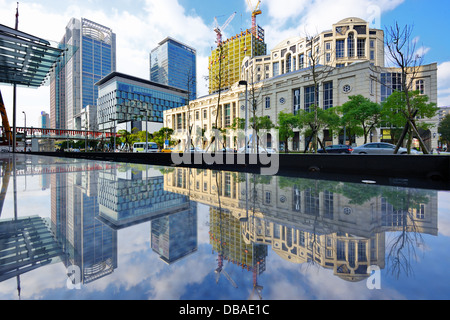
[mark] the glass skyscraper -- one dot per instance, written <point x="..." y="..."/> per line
<point x="73" y="82"/>
<point x="174" y="64"/>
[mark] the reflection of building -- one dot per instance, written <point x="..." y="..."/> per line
<point x="175" y="235"/>
<point x="132" y="195"/>
<point x="87" y="242"/>
<point x="337" y="225"/>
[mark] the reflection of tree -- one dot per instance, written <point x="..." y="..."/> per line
<point x="406" y="205"/>
<point x="401" y="212"/>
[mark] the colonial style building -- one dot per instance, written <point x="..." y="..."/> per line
<point x="289" y="87"/>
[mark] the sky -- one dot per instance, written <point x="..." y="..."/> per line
<point x="141" y="24"/>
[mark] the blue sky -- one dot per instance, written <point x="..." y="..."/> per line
<point x="141" y="24"/>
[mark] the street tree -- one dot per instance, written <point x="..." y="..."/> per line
<point x="403" y="109"/>
<point x="360" y="112"/>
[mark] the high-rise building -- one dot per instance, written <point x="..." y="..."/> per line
<point x="174" y="64"/>
<point x="45" y="120"/>
<point x="91" y="57"/>
<point x="226" y="60"/>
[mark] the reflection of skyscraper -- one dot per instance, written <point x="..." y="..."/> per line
<point x="72" y="84"/>
<point x="174" y="236"/>
<point x="87" y="242"/>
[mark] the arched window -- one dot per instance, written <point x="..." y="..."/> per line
<point x="350" y="45"/>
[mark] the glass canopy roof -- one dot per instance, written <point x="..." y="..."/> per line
<point x="25" y="59"/>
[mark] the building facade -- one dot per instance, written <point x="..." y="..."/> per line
<point x="289" y="92"/>
<point x="73" y="82"/>
<point x="124" y="98"/>
<point x="226" y="60"/>
<point x="174" y="64"/>
<point x="349" y="41"/>
<point x="45" y="120"/>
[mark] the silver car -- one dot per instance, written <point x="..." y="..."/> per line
<point x="379" y="148"/>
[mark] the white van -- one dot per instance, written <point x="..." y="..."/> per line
<point x="151" y="147"/>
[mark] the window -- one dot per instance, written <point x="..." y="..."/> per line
<point x="328" y="57"/>
<point x="339" y="49"/>
<point x="361" y="48"/>
<point x="205" y="114"/>
<point x="267" y="102"/>
<point x="372" y="44"/>
<point x="309" y="97"/>
<point x="276" y="69"/>
<point x="296" y="106"/>
<point x="327" y="95"/>
<point x="197" y="115"/>
<point x="328" y="46"/>
<point x="301" y="61"/>
<point x="227" y="115"/>
<point x="350" y="45"/>
<point x="420" y="86"/>
<point x="267" y="200"/>
<point x="390" y="82"/>
<point x="372" y="55"/>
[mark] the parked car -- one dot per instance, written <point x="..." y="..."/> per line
<point x="338" y="148"/>
<point x="380" y="148"/>
<point x="167" y="150"/>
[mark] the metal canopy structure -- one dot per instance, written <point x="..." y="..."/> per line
<point x="25" y="59"/>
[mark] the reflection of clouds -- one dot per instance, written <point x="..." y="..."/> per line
<point x="290" y="281"/>
<point x="444" y="213"/>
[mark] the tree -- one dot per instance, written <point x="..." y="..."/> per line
<point x="444" y="129"/>
<point x="159" y="137"/>
<point x="361" y="112"/>
<point x="317" y="120"/>
<point x="287" y="122"/>
<point x="399" y="109"/>
<point x="126" y="138"/>
<point x="402" y="52"/>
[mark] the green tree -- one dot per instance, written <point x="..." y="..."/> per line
<point x="444" y="129"/>
<point x="287" y="122"/>
<point x="360" y="112"/>
<point x="159" y="137"/>
<point x="402" y="110"/>
<point x="316" y="120"/>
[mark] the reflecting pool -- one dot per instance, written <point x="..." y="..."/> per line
<point x="76" y="229"/>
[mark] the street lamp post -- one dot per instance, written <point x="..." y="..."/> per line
<point x="243" y="82"/>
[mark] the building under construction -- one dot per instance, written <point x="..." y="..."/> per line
<point x="225" y="60"/>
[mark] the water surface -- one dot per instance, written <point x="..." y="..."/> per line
<point x="76" y="229"/>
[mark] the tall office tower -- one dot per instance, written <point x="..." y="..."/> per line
<point x="174" y="64"/>
<point x="225" y="60"/>
<point x="91" y="56"/>
<point x="45" y="120"/>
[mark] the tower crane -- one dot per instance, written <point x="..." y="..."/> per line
<point x="255" y="12"/>
<point x="219" y="30"/>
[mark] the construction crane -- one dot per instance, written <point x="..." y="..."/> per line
<point x="220" y="270"/>
<point x="219" y="30"/>
<point x="7" y="135"/>
<point x="255" y="12"/>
